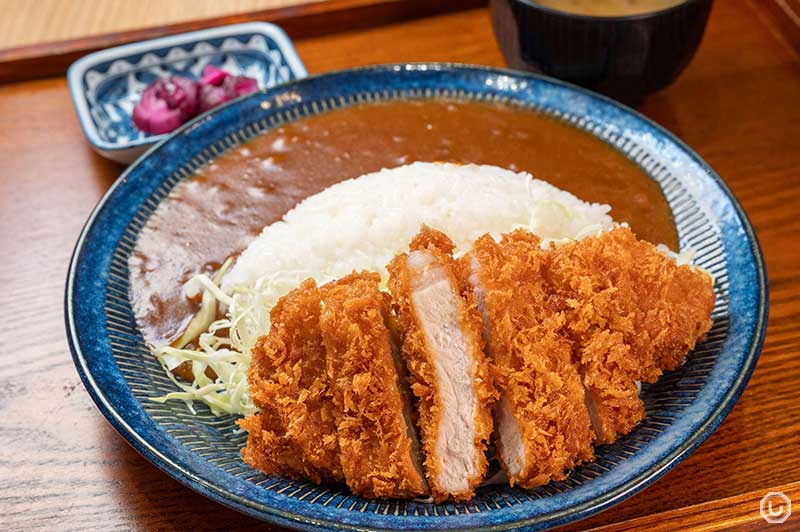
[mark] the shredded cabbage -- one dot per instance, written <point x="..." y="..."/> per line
<point x="227" y="355"/>
<point x="357" y="224"/>
<point x="227" y="392"/>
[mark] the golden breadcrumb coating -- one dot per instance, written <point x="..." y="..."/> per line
<point x="376" y="435"/>
<point x="289" y="384"/>
<point x="631" y="313"/>
<point x="569" y="332"/>
<point x="269" y="450"/>
<point x="605" y="363"/>
<point x="419" y="359"/>
<point x="615" y="281"/>
<point x="533" y="364"/>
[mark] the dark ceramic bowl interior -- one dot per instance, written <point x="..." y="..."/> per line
<point x="624" y="57"/>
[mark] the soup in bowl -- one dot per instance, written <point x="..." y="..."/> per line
<point x="625" y="49"/>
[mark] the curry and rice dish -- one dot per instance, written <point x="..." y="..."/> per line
<point x="227" y="203"/>
<point x="398" y="329"/>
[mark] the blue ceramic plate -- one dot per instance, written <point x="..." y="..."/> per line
<point x="202" y="451"/>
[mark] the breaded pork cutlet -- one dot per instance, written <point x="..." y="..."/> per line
<point x="543" y="428"/>
<point x="443" y="348"/>
<point x="270" y="450"/>
<point x="377" y="441"/>
<point x="631" y="312"/>
<point x="295" y="433"/>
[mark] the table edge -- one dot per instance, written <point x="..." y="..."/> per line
<point x="313" y="19"/>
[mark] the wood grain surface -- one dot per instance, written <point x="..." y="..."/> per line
<point x="299" y="21"/>
<point x="35" y="23"/>
<point x="786" y="16"/>
<point x="62" y="467"/>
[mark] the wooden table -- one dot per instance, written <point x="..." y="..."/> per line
<point x="79" y="18"/>
<point x="62" y="467"/>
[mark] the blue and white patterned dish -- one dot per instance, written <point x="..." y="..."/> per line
<point x="201" y="451"/>
<point x="107" y="84"/>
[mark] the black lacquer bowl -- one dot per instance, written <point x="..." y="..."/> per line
<point x="625" y="58"/>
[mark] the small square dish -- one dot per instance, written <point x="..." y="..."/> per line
<point x="106" y="85"/>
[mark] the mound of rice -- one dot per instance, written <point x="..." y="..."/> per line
<point x="361" y="224"/>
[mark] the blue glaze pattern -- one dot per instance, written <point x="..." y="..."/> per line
<point x="201" y="451"/>
<point x="106" y="85"/>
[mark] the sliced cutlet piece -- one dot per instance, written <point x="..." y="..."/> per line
<point x="443" y="348"/>
<point x="543" y="428"/>
<point x="377" y="439"/>
<point x="295" y="433"/>
<point x="606" y="365"/>
<point x="632" y="312"/>
<point x="269" y="450"/>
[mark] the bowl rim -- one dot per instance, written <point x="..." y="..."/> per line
<point x="78" y="69"/>
<point x="561" y="516"/>
<point x="606" y="18"/>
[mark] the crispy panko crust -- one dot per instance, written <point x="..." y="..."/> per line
<point x="615" y="281"/>
<point x="269" y="450"/>
<point x="531" y="360"/>
<point x="376" y="435"/>
<point x="631" y="313"/>
<point x="605" y="364"/>
<point x="295" y="433"/>
<point x="418" y="358"/>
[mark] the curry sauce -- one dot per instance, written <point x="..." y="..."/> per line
<point x="217" y="212"/>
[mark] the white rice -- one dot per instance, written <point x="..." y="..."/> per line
<point x="360" y="224"/>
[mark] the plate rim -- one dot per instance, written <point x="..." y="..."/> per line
<point x="554" y="518"/>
